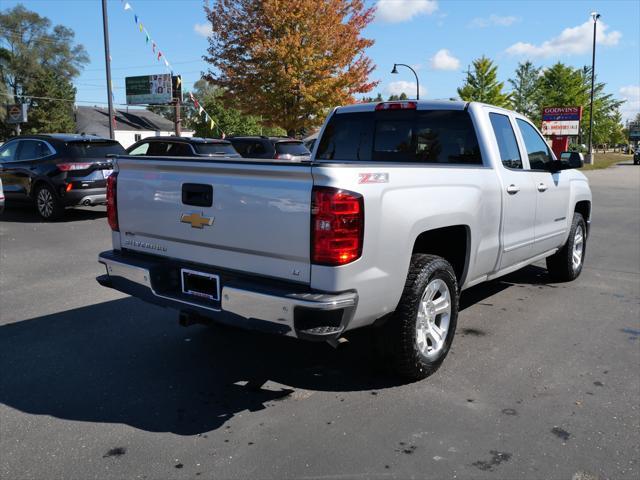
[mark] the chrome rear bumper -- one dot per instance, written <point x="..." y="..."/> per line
<point x="309" y="315"/>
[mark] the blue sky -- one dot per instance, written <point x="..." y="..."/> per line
<point x="440" y="38"/>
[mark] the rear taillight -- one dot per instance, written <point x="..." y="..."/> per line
<point x="66" y="167"/>
<point x="397" y="106"/>
<point x="112" y="201"/>
<point x="337" y="226"/>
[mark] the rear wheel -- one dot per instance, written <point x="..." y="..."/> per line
<point x="47" y="203"/>
<point x="420" y="332"/>
<point x="566" y="264"/>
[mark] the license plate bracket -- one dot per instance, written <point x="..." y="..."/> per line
<point x="200" y="284"/>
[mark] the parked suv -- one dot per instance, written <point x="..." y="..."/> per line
<point x="283" y="148"/>
<point x="57" y="170"/>
<point x="183" y="147"/>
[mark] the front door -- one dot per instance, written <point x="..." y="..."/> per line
<point x="552" y="191"/>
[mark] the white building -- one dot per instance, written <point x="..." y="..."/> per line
<point x="131" y="125"/>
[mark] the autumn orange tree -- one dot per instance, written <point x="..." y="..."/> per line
<point x="289" y="61"/>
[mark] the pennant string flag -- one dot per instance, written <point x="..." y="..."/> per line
<point x="160" y="55"/>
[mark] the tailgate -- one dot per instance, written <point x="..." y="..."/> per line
<point x="257" y="219"/>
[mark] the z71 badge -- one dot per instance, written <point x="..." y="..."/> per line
<point x="373" y="178"/>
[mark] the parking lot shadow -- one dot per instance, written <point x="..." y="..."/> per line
<point x="124" y="361"/>
<point x="25" y="213"/>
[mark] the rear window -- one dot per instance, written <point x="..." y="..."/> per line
<point x="215" y="149"/>
<point x="292" y="148"/>
<point x="94" y="149"/>
<point x="428" y="136"/>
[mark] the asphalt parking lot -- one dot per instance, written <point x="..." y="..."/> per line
<point x="542" y="382"/>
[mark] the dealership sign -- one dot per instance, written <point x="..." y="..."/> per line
<point x="149" y="90"/>
<point x="561" y="120"/>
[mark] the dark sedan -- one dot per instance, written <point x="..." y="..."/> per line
<point x="55" y="171"/>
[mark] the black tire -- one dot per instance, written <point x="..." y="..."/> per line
<point x="400" y="334"/>
<point x="48" y="204"/>
<point x="561" y="265"/>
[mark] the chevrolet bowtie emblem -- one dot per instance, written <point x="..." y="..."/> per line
<point x="196" y="220"/>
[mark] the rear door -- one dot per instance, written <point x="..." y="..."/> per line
<point x="518" y="195"/>
<point x="552" y="191"/>
<point x="243" y="216"/>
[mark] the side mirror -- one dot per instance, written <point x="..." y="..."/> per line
<point x="571" y="160"/>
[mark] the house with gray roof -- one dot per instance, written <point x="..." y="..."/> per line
<point x="130" y="125"/>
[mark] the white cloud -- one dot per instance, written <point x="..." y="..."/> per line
<point x="203" y="29"/>
<point x="631" y="107"/>
<point x="571" y="41"/>
<point x="443" y="60"/>
<point x="395" y="11"/>
<point x="401" y="86"/>
<point x="494" y="21"/>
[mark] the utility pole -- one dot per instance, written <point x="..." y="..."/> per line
<point x="178" y="120"/>
<point x="595" y="16"/>
<point x="107" y="61"/>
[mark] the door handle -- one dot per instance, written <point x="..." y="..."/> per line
<point x="513" y="189"/>
<point x="542" y="187"/>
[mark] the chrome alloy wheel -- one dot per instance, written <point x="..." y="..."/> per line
<point x="578" y="248"/>
<point x="45" y="202"/>
<point x="432" y="322"/>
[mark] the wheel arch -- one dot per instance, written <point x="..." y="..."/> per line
<point x="451" y="243"/>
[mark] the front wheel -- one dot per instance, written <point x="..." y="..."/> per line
<point x="420" y="332"/>
<point x="566" y="264"/>
<point x="48" y="204"/>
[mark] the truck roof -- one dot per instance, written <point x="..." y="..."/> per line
<point x="421" y="105"/>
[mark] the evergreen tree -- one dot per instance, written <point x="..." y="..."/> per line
<point x="45" y="114"/>
<point x="482" y="85"/>
<point x="525" y="86"/>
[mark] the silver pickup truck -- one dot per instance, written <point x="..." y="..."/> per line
<point x="401" y="207"/>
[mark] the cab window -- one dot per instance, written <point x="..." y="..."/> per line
<point x="408" y="136"/>
<point x="506" y="138"/>
<point x="537" y="149"/>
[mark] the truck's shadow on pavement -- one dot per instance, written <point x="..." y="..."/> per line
<point x="124" y="361"/>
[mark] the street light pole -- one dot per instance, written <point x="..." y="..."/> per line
<point x="595" y="16"/>
<point x="395" y="71"/>
<point x="107" y="61"/>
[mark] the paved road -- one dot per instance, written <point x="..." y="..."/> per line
<point x="542" y="382"/>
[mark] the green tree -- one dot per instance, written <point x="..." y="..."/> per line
<point x="45" y="115"/>
<point x="377" y="98"/>
<point x="30" y="48"/>
<point x="525" y="86"/>
<point x="482" y="85"/>
<point x="402" y="96"/>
